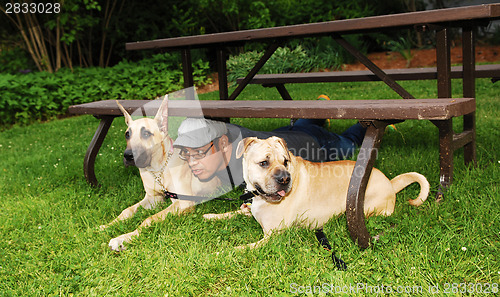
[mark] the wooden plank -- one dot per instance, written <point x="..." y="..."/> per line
<point x="109" y="107"/>
<point x="461" y="139"/>
<point x="375" y="23"/>
<point x="393" y="109"/>
<point x="482" y="71"/>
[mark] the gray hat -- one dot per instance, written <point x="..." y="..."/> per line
<point x="197" y="132"/>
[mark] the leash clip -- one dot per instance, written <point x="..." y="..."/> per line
<point x="247" y="197"/>
<point x="323" y="241"/>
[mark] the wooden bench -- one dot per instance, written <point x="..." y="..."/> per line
<point x="375" y="114"/>
<point x="363" y="110"/>
<point x="481" y="71"/>
<point x="279" y="80"/>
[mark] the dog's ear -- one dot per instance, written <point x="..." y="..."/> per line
<point x="282" y="143"/>
<point x="161" y="116"/>
<point x="243" y="146"/>
<point x="128" y="118"/>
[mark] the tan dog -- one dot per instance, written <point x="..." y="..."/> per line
<point x="151" y="149"/>
<point x="295" y="191"/>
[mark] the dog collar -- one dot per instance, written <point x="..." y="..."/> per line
<point x="247" y="197"/>
<point x="197" y="199"/>
<point x="159" y="178"/>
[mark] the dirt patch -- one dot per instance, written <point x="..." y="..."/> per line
<point x="214" y="86"/>
<point x="390" y="60"/>
<point x="425" y="58"/>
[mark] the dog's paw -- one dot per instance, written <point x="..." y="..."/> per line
<point x="103" y="227"/>
<point x="116" y="244"/>
<point x="212" y="216"/>
<point x="227" y="215"/>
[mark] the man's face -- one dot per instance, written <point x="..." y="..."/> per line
<point x="204" y="161"/>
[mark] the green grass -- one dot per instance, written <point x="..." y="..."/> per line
<point x="49" y="243"/>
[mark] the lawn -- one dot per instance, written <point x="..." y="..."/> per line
<point x="50" y="243"/>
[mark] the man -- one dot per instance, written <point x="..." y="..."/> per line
<point x="209" y="146"/>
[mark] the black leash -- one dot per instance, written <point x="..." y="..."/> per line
<point x="247" y="199"/>
<point x="197" y="199"/>
<point x="320" y="235"/>
<point x="323" y="241"/>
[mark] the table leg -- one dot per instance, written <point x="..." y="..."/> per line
<point x="93" y="149"/>
<point x="445" y="155"/>
<point x="469" y="62"/>
<point x="443" y="63"/>
<point x="470" y="148"/>
<point x="222" y="77"/>
<point x="469" y="89"/>
<point x="222" y="73"/>
<point x="187" y="68"/>
<point x="359" y="180"/>
<point x="281" y="90"/>
<point x="286" y="96"/>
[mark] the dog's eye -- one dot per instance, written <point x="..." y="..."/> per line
<point x="127" y="135"/>
<point x="285" y="163"/>
<point x="146" y="134"/>
<point x="264" y="163"/>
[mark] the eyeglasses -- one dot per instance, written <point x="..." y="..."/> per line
<point x="184" y="154"/>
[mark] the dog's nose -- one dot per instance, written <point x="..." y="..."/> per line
<point x="128" y="155"/>
<point x="282" y="177"/>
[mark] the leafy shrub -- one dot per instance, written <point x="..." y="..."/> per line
<point x="14" y="61"/>
<point x="326" y="54"/>
<point x="403" y="47"/>
<point x="282" y="61"/>
<point x="37" y="96"/>
<point x="495" y="36"/>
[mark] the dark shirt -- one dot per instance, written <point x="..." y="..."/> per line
<point x="299" y="143"/>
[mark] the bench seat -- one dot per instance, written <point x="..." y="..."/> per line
<point x="392" y="109"/>
<point x="481" y="71"/>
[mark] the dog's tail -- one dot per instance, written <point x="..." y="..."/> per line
<point x="403" y="180"/>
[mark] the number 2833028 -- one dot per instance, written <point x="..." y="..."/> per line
<point x="19" y="8"/>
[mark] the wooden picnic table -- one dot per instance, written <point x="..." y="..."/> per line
<point x="467" y="18"/>
<point x="441" y="21"/>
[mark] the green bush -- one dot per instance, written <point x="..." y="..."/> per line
<point x="495" y="36"/>
<point x="325" y="54"/>
<point x="282" y="61"/>
<point x="93" y="29"/>
<point x="329" y="54"/>
<point x="15" y="60"/>
<point x="37" y="96"/>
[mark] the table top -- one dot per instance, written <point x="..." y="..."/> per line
<point x="450" y="16"/>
